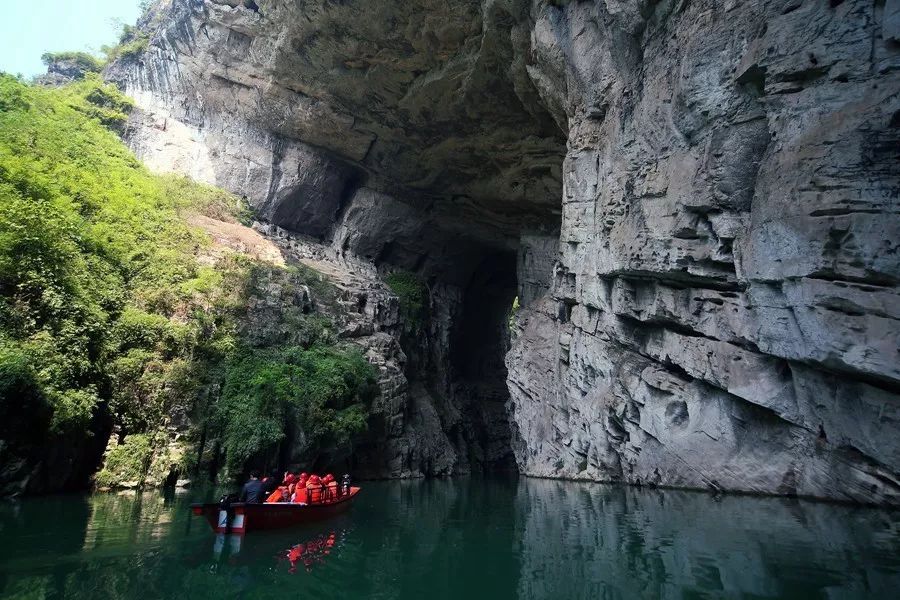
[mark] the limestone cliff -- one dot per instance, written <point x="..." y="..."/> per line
<point x="696" y="204"/>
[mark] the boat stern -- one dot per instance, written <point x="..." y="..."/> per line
<point x="222" y="520"/>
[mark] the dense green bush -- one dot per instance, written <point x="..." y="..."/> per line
<point x="412" y="295"/>
<point x="110" y="303"/>
<point x="25" y="410"/>
<point x="322" y="391"/>
<point x="86" y="61"/>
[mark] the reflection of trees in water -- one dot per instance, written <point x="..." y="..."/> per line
<point x="56" y="524"/>
<point x="128" y="517"/>
<point x="590" y="540"/>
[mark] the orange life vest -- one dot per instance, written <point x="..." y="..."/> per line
<point x="314" y="492"/>
<point x="332" y="490"/>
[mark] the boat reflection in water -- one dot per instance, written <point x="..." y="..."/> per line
<point x="312" y="551"/>
<point x="231" y="540"/>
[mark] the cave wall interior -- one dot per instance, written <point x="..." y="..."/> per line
<point x="696" y="203"/>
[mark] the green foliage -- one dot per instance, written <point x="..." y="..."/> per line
<point x="132" y="49"/>
<point x="91" y="244"/>
<point x="133" y="41"/>
<point x="25" y="411"/>
<point x="412" y="295"/>
<point x="324" y="391"/>
<point x="110" y="301"/>
<point x="513" y="312"/>
<point x="129" y="461"/>
<point x="86" y="61"/>
<point x="81" y="226"/>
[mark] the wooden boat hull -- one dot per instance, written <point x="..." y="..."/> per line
<point x="242" y="518"/>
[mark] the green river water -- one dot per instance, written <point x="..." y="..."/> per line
<point x="460" y="538"/>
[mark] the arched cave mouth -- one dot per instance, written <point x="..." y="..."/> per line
<point x="479" y="228"/>
<point x="474" y="257"/>
<point x="478" y="347"/>
<point x="474" y="276"/>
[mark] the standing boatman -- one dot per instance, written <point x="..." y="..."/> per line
<point x="254" y="491"/>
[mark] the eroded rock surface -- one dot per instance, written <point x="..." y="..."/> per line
<point x="725" y="311"/>
<point x="716" y="304"/>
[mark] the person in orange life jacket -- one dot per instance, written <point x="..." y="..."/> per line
<point x="314" y="489"/>
<point x="300" y="489"/>
<point x="332" y="486"/>
<point x="270" y="483"/>
<point x="280" y="495"/>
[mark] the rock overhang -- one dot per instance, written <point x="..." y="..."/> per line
<point x="428" y="98"/>
<point x="699" y="195"/>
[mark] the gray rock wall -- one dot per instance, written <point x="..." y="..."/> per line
<point x="702" y="198"/>
<point x="724" y="313"/>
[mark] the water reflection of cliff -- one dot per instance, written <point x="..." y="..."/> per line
<point x="459" y="538"/>
<point x="595" y="541"/>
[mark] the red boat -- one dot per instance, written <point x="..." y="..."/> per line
<point x="240" y="517"/>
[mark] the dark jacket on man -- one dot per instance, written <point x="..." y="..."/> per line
<point x="253" y="492"/>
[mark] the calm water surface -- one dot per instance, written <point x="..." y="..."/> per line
<point x="464" y="538"/>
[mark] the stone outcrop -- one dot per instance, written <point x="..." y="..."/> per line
<point x="696" y="204"/>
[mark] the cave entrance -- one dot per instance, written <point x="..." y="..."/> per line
<point x="478" y="349"/>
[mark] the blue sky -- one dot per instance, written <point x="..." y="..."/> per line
<point x="28" y="28"/>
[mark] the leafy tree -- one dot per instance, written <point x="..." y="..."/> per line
<point x="113" y="307"/>
<point x="323" y="391"/>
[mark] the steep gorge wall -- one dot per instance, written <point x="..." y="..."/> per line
<point x="725" y="308"/>
<point x="715" y="305"/>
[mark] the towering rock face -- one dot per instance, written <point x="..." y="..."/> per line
<point x="725" y="309"/>
<point x="696" y="204"/>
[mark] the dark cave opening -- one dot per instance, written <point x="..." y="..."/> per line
<point x="482" y="335"/>
<point x="478" y="349"/>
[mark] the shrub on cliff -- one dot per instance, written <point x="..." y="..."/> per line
<point x="82" y="60"/>
<point x="128" y="316"/>
<point x="321" y="393"/>
<point x="126" y="462"/>
<point x="412" y="295"/>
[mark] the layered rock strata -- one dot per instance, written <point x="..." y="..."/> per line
<point x="725" y="308"/>
<point x="699" y="201"/>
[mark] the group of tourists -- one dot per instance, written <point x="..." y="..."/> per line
<point x="305" y="488"/>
